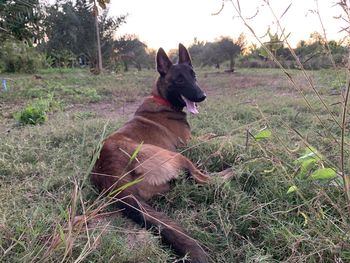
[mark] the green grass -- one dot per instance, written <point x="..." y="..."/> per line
<point x="248" y="219"/>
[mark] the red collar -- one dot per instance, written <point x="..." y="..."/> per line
<point x="161" y="101"/>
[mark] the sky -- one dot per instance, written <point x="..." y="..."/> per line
<point x="165" y="23"/>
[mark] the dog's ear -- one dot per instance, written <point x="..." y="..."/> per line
<point x="163" y="62"/>
<point x="184" y="56"/>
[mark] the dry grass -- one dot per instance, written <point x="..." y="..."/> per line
<point x="250" y="219"/>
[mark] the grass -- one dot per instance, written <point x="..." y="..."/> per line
<point x="248" y="219"/>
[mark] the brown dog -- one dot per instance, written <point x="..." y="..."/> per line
<point x="158" y="127"/>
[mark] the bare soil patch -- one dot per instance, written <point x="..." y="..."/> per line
<point x="108" y="110"/>
<point x="231" y="84"/>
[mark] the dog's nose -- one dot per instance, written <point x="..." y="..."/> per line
<point x="202" y="97"/>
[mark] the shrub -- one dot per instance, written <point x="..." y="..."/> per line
<point x="16" y="56"/>
<point x="32" y="114"/>
<point x="36" y="112"/>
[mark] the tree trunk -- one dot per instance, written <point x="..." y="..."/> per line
<point x="232" y="64"/>
<point x="99" y="54"/>
<point x="126" y="68"/>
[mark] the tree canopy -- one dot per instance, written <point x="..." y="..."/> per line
<point x="74" y="23"/>
<point x="21" y="20"/>
<point x="217" y="52"/>
<point x="65" y="33"/>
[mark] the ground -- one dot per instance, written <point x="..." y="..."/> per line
<point x="265" y="127"/>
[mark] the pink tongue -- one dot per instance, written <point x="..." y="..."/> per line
<point x="191" y="106"/>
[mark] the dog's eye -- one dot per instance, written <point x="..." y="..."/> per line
<point x="180" y="81"/>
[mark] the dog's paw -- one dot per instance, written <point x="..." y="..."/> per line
<point x="226" y="174"/>
<point x="200" y="177"/>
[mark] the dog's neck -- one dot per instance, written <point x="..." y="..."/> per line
<point x="159" y="98"/>
<point x="164" y="102"/>
<point x="161" y="101"/>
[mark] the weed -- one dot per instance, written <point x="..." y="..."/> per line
<point x="36" y="112"/>
<point x="32" y="114"/>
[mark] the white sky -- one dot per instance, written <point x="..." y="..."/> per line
<point x="165" y="23"/>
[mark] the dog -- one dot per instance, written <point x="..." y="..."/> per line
<point x="139" y="160"/>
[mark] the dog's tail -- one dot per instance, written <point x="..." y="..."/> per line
<point x="171" y="232"/>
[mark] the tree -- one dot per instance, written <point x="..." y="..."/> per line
<point x="318" y="53"/>
<point x="130" y="50"/>
<point x="230" y="50"/>
<point x="196" y="50"/>
<point x="73" y="22"/>
<point x="102" y="4"/>
<point x="215" y="53"/>
<point x="212" y="55"/>
<point x="21" y="20"/>
<point x="20" y="27"/>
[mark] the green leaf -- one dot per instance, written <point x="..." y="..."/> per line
<point x="263" y="52"/>
<point x="64" y="213"/>
<point x="264" y="134"/>
<point x="125" y="186"/>
<point x="306" y="157"/>
<point x="133" y="156"/>
<point x="61" y="232"/>
<point x="309" y="153"/>
<point x="305" y="167"/>
<point x="324" y="174"/>
<point x="306" y="218"/>
<point x="292" y="189"/>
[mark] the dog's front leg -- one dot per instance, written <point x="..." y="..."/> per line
<point x="225" y="174"/>
<point x="202" y="178"/>
<point x="198" y="176"/>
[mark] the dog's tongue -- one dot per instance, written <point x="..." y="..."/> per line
<point x="191" y="106"/>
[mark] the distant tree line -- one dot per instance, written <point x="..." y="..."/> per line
<point x="314" y="53"/>
<point x="63" y="34"/>
<point x="224" y="49"/>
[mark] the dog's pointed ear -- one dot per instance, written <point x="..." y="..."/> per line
<point x="184" y="56"/>
<point x="163" y="62"/>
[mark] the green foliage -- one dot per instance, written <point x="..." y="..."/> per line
<point x="292" y="189"/>
<point x="314" y="53"/>
<point x="338" y="84"/>
<point x="17" y="56"/>
<point x="21" y="20"/>
<point x="130" y="50"/>
<point x="32" y="114"/>
<point x="36" y="112"/>
<point x="264" y="134"/>
<point x="273" y="45"/>
<point x="74" y="22"/>
<point x="215" y="53"/>
<point x="308" y="161"/>
<point x="323" y="174"/>
<point x="311" y="167"/>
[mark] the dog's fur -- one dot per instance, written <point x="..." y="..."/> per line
<point x="158" y="127"/>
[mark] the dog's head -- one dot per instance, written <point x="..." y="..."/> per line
<point x="177" y="82"/>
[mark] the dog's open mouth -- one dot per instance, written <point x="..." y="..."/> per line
<point x="190" y="105"/>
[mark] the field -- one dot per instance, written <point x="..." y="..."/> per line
<point x="276" y="136"/>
